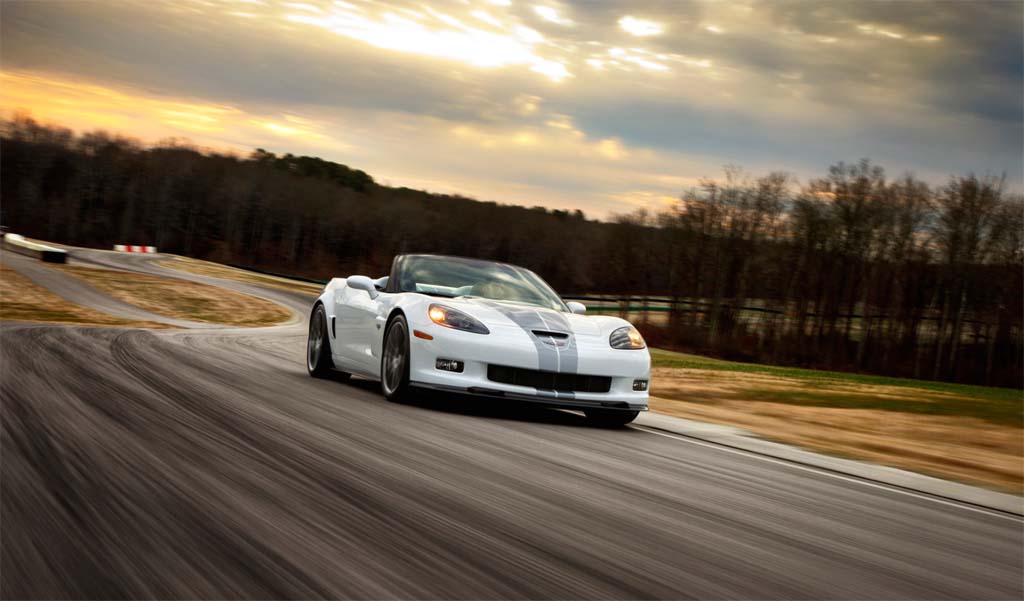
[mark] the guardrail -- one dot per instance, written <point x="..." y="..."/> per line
<point x="18" y="244"/>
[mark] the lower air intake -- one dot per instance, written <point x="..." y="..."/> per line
<point x="548" y="380"/>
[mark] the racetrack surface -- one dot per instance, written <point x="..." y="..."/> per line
<point x="205" y="463"/>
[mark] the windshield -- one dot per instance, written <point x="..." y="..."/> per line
<point x="454" y="277"/>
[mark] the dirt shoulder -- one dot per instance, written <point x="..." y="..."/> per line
<point x="23" y="300"/>
<point x="182" y="299"/>
<point x="971" y="434"/>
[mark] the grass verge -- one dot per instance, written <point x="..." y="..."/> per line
<point x="182" y="299"/>
<point x="22" y="300"/>
<point x="240" y="275"/>
<point x="662" y="358"/>
<point x="967" y="433"/>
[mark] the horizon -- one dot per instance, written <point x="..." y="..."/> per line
<point x="600" y="108"/>
<point x="792" y="185"/>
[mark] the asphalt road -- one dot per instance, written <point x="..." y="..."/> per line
<point x="205" y="463"/>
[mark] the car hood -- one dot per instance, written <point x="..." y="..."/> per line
<point x="496" y="313"/>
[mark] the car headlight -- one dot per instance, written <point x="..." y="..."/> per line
<point x="455" y="319"/>
<point x="627" y="337"/>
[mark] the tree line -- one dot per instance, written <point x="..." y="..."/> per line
<point x="850" y="271"/>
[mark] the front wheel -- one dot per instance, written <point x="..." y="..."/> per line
<point x="610" y="418"/>
<point x="318" y="345"/>
<point x="394" y="361"/>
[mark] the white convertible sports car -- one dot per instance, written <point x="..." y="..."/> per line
<point x="480" y="328"/>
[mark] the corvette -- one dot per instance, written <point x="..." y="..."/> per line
<point x="481" y="328"/>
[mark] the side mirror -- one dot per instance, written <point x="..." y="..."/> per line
<point x="577" y="308"/>
<point x="381" y="283"/>
<point x="361" y="282"/>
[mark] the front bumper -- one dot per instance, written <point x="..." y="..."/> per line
<point x="513" y="348"/>
<point x="538" y="398"/>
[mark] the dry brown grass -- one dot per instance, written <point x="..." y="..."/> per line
<point x="960" y="447"/>
<point x="182" y="299"/>
<point x="240" y="275"/>
<point x="22" y="300"/>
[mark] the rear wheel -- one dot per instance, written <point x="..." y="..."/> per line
<point x="394" y="361"/>
<point x="610" y="418"/>
<point x="318" y="345"/>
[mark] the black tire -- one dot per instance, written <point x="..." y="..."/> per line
<point x="394" y="361"/>
<point x="610" y="418"/>
<point x="318" y="345"/>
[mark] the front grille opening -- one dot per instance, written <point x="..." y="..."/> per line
<point x="548" y="380"/>
<point x="547" y="334"/>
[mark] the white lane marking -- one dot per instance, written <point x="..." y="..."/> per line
<point x="825" y="472"/>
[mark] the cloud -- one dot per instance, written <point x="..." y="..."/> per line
<point x="640" y="27"/>
<point x="443" y="36"/>
<point x="551" y="15"/>
<point x="640" y="86"/>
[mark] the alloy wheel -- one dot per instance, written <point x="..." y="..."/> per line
<point x="316" y="340"/>
<point x="394" y="358"/>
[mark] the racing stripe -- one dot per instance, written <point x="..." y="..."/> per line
<point x="549" y="357"/>
<point x="568" y="357"/>
<point x="528" y="320"/>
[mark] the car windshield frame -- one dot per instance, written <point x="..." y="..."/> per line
<point x="455" y="277"/>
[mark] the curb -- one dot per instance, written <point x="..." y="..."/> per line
<point x="743" y="440"/>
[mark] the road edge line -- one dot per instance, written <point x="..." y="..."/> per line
<point x="895" y="479"/>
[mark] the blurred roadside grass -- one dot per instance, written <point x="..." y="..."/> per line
<point x="968" y="433"/>
<point x="1000" y="405"/>
<point x="182" y="299"/>
<point x="22" y="300"/>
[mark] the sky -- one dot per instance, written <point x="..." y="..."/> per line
<point x="593" y="105"/>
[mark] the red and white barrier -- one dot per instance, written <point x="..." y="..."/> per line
<point x="131" y="248"/>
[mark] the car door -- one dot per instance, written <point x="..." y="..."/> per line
<point x="356" y="314"/>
